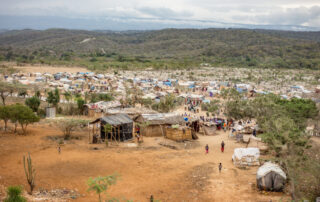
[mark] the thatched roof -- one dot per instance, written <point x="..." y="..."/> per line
<point x="159" y="119"/>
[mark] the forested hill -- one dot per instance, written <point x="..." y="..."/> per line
<point x="169" y="48"/>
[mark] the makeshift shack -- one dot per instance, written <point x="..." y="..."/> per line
<point x="246" y="157"/>
<point x="270" y="177"/>
<point x="209" y="129"/>
<point x="121" y="128"/>
<point x="255" y="142"/>
<point x="154" y="125"/>
<point x="178" y="133"/>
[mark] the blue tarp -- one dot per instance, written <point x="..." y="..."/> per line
<point x="168" y="83"/>
<point x="240" y="90"/>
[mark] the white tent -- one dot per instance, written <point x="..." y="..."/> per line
<point x="246" y="156"/>
<point x="271" y="177"/>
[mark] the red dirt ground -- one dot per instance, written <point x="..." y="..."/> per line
<point x="167" y="174"/>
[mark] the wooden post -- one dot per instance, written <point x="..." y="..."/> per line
<point x="118" y="128"/>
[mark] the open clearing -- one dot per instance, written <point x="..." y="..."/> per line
<point x="48" y="69"/>
<point x="151" y="169"/>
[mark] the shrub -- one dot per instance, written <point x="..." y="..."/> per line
<point x="33" y="103"/>
<point x="67" y="126"/>
<point x="14" y="194"/>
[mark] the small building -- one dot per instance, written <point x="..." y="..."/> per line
<point x="50" y="112"/>
<point x="154" y="125"/>
<point x="121" y="128"/>
<point x="270" y="177"/>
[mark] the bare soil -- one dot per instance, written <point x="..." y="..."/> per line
<point x="149" y="169"/>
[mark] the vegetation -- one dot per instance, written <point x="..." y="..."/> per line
<point x="67" y="126"/>
<point x="283" y="123"/>
<point x="163" y="49"/>
<point x="7" y="89"/>
<point x="81" y="102"/>
<point x="166" y="104"/>
<point x="23" y="115"/>
<point x="18" y="114"/>
<point x="211" y="107"/>
<point x="101" y="184"/>
<point x="30" y="172"/>
<point x="54" y="97"/>
<point x="5" y="115"/>
<point x="96" y="97"/>
<point x="14" y="194"/>
<point x="33" y="103"/>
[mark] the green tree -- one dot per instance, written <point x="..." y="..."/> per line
<point x="23" y="115"/>
<point x="81" y="102"/>
<point x="230" y="94"/>
<point x="54" y="97"/>
<point x="67" y="96"/>
<point x="33" y="103"/>
<point x="101" y="184"/>
<point x="14" y="194"/>
<point x="166" y="104"/>
<point x="5" y="115"/>
<point x="23" y="93"/>
<point x="7" y="89"/>
<point x="211" y="107"/>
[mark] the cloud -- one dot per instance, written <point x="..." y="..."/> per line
<point x="164" y="12"/>
<point x="270" y="12"/>
<point x="288" y="16"/>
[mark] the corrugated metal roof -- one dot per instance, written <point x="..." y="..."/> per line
<point x="117" y="119"/>
<point x="164" y="118"/>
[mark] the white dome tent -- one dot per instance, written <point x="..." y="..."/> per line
<point x="271" y="177"/>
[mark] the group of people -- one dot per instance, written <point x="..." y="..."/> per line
<point x="222" y="150"/>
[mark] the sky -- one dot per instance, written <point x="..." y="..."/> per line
<point x="158" y="14"/>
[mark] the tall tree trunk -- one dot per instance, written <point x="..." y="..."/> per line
<point x="3" y="98"/>
<point x="5" y="125"/>
<point x="15" y="127"/>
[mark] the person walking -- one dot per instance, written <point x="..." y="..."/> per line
<point x="207" y="149"/>
<point x="59" y="149"/>
<point x="220" y="167"/>
<point x="222" y="146"/>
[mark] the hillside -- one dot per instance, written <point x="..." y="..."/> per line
<point x="169" y="48"/>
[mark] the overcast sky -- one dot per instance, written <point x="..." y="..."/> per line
<point x="196" y="12"/>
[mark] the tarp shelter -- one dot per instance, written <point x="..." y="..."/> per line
<point x="271" y="177"/>
<point x="209" y="129"/>
<point x="121" y="127"/>
<point x="246" y="156"/>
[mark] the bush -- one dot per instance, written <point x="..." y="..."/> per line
<point x="14" y="194"/>
<point x="80" y="103"/>
<point x="67" y="126"/>
<point x="33" y="103"/>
